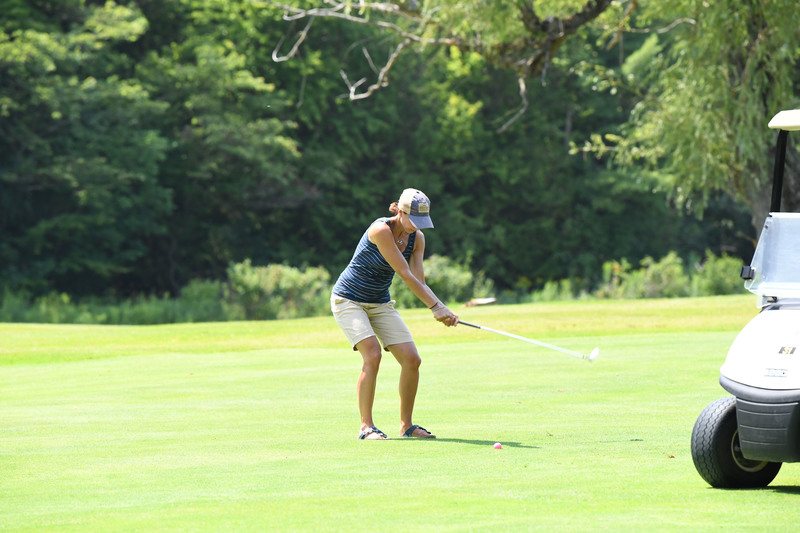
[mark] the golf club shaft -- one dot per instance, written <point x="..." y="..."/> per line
<point x="525" y="339"/>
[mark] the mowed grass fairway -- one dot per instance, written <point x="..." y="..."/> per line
<point x="252" y="426"/>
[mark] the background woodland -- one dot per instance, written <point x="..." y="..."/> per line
<point x="147" y="145"/>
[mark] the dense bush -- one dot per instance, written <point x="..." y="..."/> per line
<point x="655" y="279"/>
<point x="250" y="293"/>
<point x="204" y="301"/>
<point x="564" y="289"/>
<point x="668" y="278"/>
<point x="717" y="275"/>
<point x="449" y="280"/>
<point x="58" y="308"/>
<point x="276" y="291"/>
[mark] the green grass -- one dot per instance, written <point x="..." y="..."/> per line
<point x="251" y="426"/>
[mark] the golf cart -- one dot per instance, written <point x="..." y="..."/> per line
<point x="741" y="441"/>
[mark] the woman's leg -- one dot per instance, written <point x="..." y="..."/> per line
<point x="409" y="359"/>
<point x="370" y="350"/>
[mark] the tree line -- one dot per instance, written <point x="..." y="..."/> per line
<point x="147" y="144"/>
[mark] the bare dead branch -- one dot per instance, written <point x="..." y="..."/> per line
<point x="369" y="60"/>
<point x="359" y="43"/>
<point x="382" y="80"/>
<point x="523" y="95"/>
<point x="301" y="37"/>
<point x="351" y="86"/>
<point x="621" y="24"/>
<point x="621" y="29"/>
<point x="299" y="103"/>
<point x="664" y="29"/>
<point x="298" y="13"/>
<point x="682" y="20"/>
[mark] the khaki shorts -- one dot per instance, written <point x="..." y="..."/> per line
<point x="361" y="320"/>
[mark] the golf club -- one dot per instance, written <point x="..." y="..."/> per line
<point x="591" y="357"/>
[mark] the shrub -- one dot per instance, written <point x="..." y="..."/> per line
<point x="145" y="310"/>
<point x="655" y="279"/>
<point x="280" y="291"/>
<point x="13" y="306"/>
<point x="203" y="301"/>
<point x="615" y="273"/>
<point x="450" y="281"/>
<point x="276" y="291"/>
<point x="717" y="275"/>
<point x="555" y="291"/>
<point x="663" y="279"/>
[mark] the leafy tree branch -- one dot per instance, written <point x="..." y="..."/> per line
<point x="508" y="35"/>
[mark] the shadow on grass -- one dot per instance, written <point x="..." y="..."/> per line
<point x="482" y="442"/>
<point x="784" y="489"/>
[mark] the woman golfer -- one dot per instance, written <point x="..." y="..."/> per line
<point x="363" y="309"/>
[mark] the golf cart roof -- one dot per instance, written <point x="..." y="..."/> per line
<point x="788" y="120"/>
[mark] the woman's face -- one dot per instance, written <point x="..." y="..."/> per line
<point x="408" y="226"/>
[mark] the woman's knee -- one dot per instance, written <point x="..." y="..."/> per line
<point x="413" y="361"/>
<point x="372" y="358"/>
<point x="407" y="356"/>
<point x="370" y="351"/>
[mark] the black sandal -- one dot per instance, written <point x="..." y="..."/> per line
<point x="410" y="433"/>
<point x="369" y="431"/>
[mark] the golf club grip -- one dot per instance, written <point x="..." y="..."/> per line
<point x="468" y="324"/>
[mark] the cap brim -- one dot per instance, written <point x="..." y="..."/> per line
<point x="421" y="221"/>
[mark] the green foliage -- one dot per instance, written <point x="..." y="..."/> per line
<point x="701" y="120"/>
<point x="149" y="144"/>
<point x="661" y="279"/>
<point x="58" y="308"/>
<point x="250" y="293"/>
<point x="490" y="23"/>
<point x="449" y="280"/>
<point x="555" y="291"/>
<point x="667" y="278"/>
<point x="230" y="163"/>
<point x="277" y="291"/>
<point x="204" y="301"/>
<point x="717" y="275"/>
<point x="280" y="291"/>
<point x="79" y="188"/>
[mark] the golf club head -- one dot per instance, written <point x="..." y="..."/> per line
<point x="594" y="354"/>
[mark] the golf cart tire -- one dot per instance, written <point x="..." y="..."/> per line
<point x="717" y="454"/>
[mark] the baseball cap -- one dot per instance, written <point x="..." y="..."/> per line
<point x="416" y="205"/>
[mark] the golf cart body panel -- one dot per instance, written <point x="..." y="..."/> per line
<point x="766" y="353"/>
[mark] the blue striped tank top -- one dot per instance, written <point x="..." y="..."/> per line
<point x="368" y="276"/>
